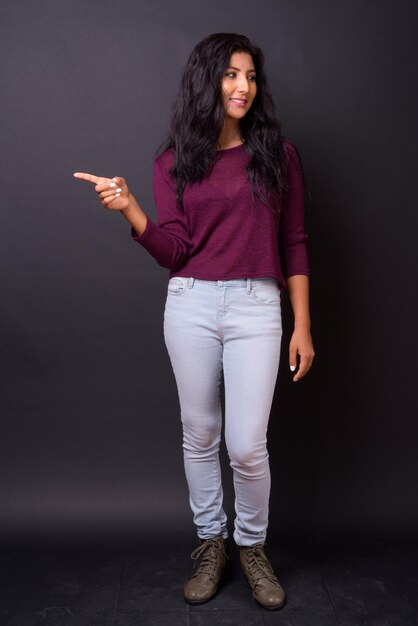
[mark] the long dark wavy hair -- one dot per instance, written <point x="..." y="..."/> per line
<point x="197" y="119"/>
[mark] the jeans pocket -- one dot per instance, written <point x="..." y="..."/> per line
<point x="176" y="286"/>
<point x="266" y="291"/>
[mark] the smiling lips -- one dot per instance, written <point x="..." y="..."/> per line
<point x="238" y="102"/>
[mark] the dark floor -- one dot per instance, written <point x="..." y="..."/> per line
<point x="340" y="584"/>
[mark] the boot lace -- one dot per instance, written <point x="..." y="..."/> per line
<point x="208" y="550"/>
<point x="257" y="569"/>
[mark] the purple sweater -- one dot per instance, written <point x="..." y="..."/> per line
<point x="219" y="236"/>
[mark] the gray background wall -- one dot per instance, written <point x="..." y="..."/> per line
<point x="90" y="430"/>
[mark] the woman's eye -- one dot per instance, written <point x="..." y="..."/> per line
<point x="232" y="74"/>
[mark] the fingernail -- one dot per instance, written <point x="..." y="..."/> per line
<point x="112" y="184"/>
<point x="118" y="190"/>
<point x="292" y="368"/>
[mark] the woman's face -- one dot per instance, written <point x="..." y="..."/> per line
<point x="239" y="85"/>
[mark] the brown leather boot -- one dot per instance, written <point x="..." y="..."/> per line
<point x="259" y="573"/>
<point x="204" y="582"/>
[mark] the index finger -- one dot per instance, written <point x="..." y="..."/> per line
<point x="89" y="177"/>
<point x="303" y="368"/>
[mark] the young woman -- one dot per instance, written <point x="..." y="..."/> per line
<point x="229" y="193"/>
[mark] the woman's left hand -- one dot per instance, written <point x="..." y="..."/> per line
<point x="301" y="344"/>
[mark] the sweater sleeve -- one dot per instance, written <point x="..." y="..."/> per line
<point x="168" y="241"/>
<point x="292" y="236"/>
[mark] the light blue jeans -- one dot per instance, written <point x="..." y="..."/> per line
<point x="231" y="328"/>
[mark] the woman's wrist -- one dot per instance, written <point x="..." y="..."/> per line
<point x="135" y="215"/>
<point x="132" y="208"/>
<point x="302" y="322"/>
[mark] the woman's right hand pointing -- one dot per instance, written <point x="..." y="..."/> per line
<point x="113" y="192"/>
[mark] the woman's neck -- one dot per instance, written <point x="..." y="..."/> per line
<point x="230" y="137"/>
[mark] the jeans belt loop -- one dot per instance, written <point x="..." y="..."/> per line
<point x="190" y="282"/>
<point x="248" y="285"/>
